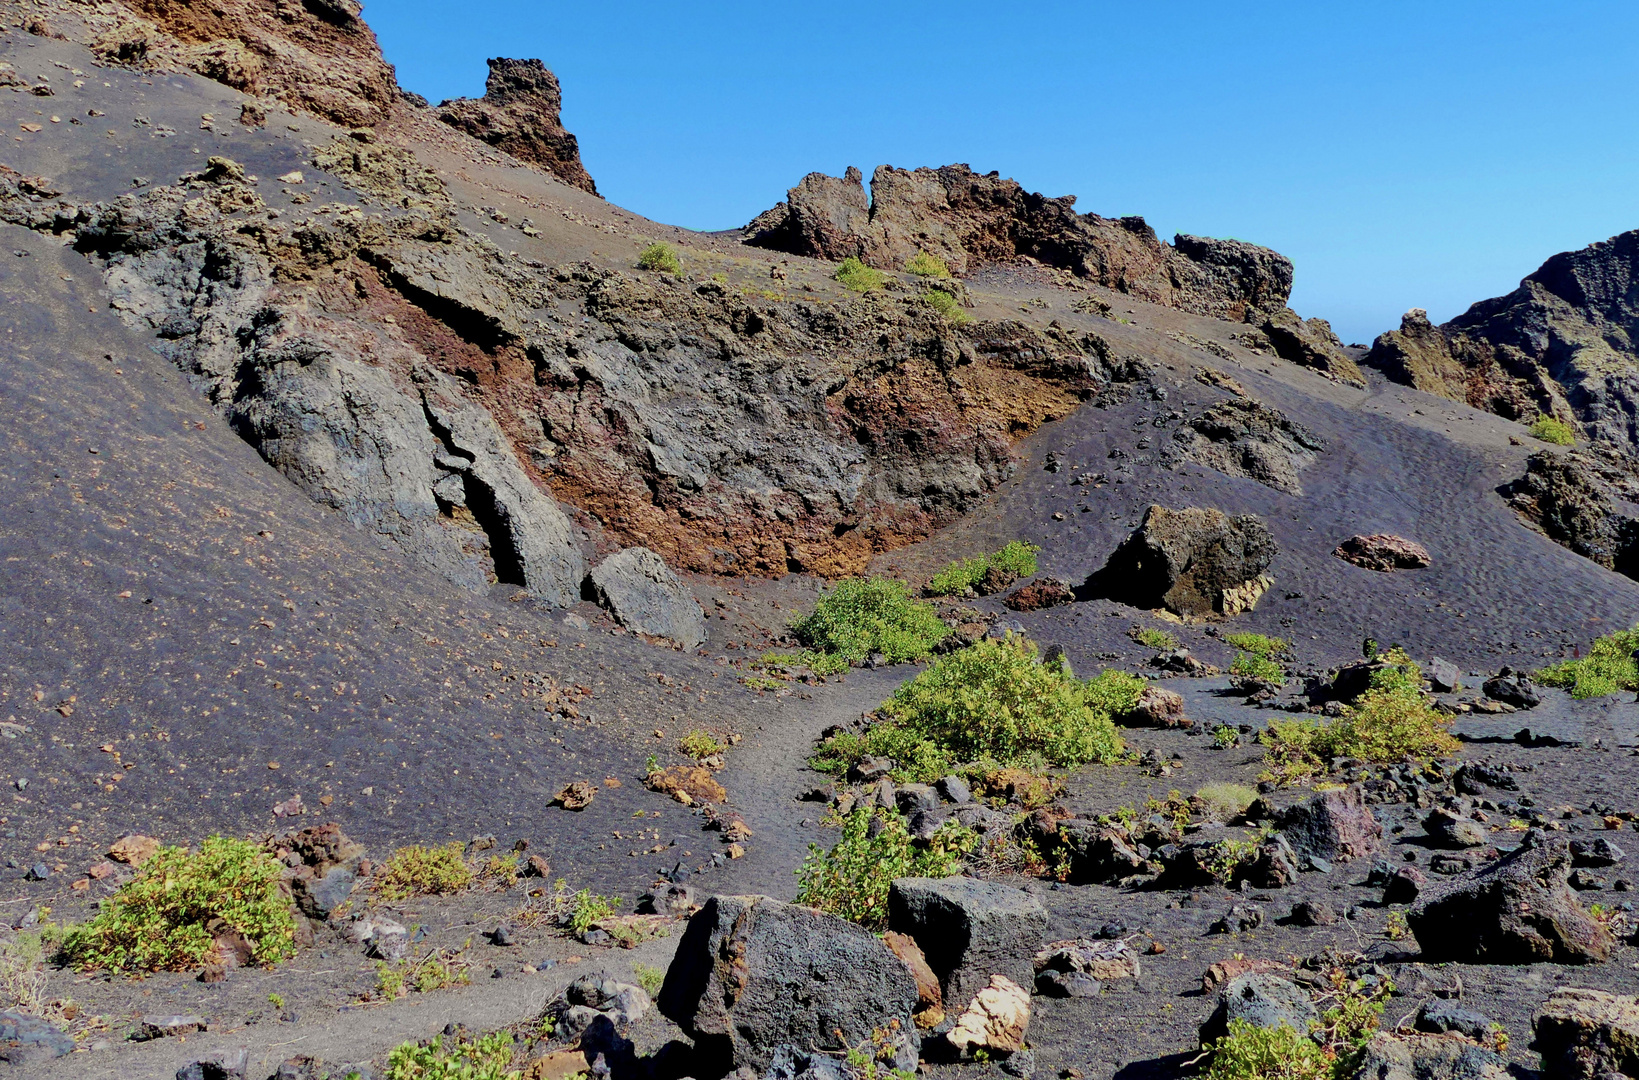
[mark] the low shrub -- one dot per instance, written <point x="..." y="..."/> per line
<point x="946" y="305"/>
<point x="1224" y="802"/>
<point x="158" y="921"/>
<point x="925" y="265"/>
<point x="864" y="616"/>
<point x="1608" y="667"/>
<point x="439" y="970"/>
<point x="1550" y="430"/>
<point x="1151" y="638"/>
<point x="995" y="701"/>
<point x="1330" y="1050"/>
<point x="1391" y="722"/>
<point x="1258" y="644"/>
<point x="852" y="879"/>
<point x="449" y="1057"/>
<point x="587" y="908"/>
<point x="423" y="871"/>
<point x="1016" y="558"/>
<point x="650" y="978"/>
<point x="660" y="257"/>
<point x="858" y="277"/>
<point x="23" y="975"/>
<point x="699" y="745"/>
<point x="1251" y="665"/>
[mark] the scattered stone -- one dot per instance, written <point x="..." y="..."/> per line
<point x="576" y="795"/>
<point x="1187" y="561"/>
<point x="671" y="899"/>
<point x="969" y="930"/>
<point x="27" y="1039"/>
<point x="868" y="769"/>
<point x="536" y="866"/>
<point x="955" y="789"/>
<point x="930" y="1000"/>
<point x="1444" y="676"/>
<point x="1428" y="1057"/>
<point x="752" y="974"/>
<point x="318" y="898"/>
<point x="1587" y="1034"/>
<point x="1068" y="984"/>
<point x="640" y="590"/>
<point x="1441" y="1015"/>
<point x="1518" y="910"/>
<point x="1313" y="913"/>
<point x="996" y="1020"/>
<point x="1451" y="830"/>
<point x="227" y="1065"/>
<point x="1513" y="688"/>
<point x="166" y="1027"/>
<point x="1404" y="886"/>
<point x="1157" y="707"/>
<point x="1336" y="826"/>
<point x="1225" y="970"/>
<point x="1238" y="919"/>
<point x="1383" y="553"/>
<point x="132" y="849"/>
<point x="1039" y="594"/>
<point x="1108" y="960"/>
<point x="1598" y="852"/>
<point x="1261" y="999"/>
<point x="691" y="785"/>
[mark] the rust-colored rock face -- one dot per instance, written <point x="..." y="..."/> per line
<point x="520" y="114"/>
<point x="316" y="56"/>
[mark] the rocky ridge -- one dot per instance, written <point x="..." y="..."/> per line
<point x="520" y="114"/>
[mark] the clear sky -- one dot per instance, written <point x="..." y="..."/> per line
<point x="1424" y="154"/>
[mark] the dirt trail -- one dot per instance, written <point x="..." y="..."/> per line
<point x="768" y="771"/>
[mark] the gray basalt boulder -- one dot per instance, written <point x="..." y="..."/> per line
<point x="753" y="975"/>
<point x="1584" y="1034"/>
<point x="1517" y="910"/>
<point x="969" y="930"/>
<point x="640" y="590"/>
<point x="1261" y="999"/>
<point x="1335" y="826"/>
<point x="1187" y="561"/>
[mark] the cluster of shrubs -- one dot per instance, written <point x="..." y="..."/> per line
<point x="1553" y="431"/>
<point x="1331" y="1048"/>
<point x="1608" y="667"/>
<point x="1016" y="560"/>
<point x="1257" y="657"/>
<point x="866" y="616"/>
<point x="852" y="878"/>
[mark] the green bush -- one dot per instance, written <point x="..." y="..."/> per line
<point x="995" y="701"/>
<point x="1250" y="1052"/>
<point x="946" y="304"/>
<point x="1258" y="644"/>
<point x="1224" y="802"/>
<point x="1607" y="668"/>
<point x="423" y="871"/>
<point x="158" y="921"/>
<point x="1151" y="638"/>
<point x="1250" y="665"/>
<point x="660" y="257"/>
<point x="1391" y="722"/>
<point x="852" y="879"/>
<point x="486" y="1058"/>
<point x="699" y="744"/>
<point x="855" y="275"/>
<point x="864" y="616"/>
<point x="1550" y="430"/>
<point x="1017" y="558"/>
<point x="925" y="265"/>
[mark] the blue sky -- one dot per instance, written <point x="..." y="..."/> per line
<point x="1403" y="155"/>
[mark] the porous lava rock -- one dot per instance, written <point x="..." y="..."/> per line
<point x="1336" y="826"/>
<point x="1189" y="561"/>
<point x="640" y="590"/>
<point x="1517" y="910"/>
<point x="520" y="113"/>
<point x="969" y="930"/>
<point x="752" y="974"/>
<point x="1383" y="552"/>
<point x="1585" y="1034"/>
<point x="1587" y="501"/>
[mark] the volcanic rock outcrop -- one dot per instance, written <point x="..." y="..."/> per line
<point x="317" y="56"/>
<point x="968" y="219"/>
<point x="1587" y="501"/>
<point x="1565" y="343"/>
<point x="520" y="114"/>
<point x="1194" y="561"/>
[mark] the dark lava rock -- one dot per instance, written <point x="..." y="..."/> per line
<point x="667" y="900"/>
<point x="640" y="590"/>
<point x="1588" y="1034"/>
<point x="228" y="1065"/>
<point x="969" y="930"/>
<point x="25" y="1039"/>
<point x="318" y="897"/>
<point x="1098" y="853"/>
<point x="1428" y="1057"/>
<point x="165" y="1027"/>
<point x="1186" y="560"/>
<point x="752" y="975"/>
<point x="1518" y="910"/>
<point x="870" y="769"/>
<point x="1440" y="1016"/>
<point x="1443" y="675"/>
<point x="1383" y="553"/>
<point x="1476" y="779"/>
<point x="1042" y="593"/>
<point x="955" y="789"/>
<point x="1238" y="919"/>
<point x="1404" y="886"/>
<point x="1335" y="826"/>
<point x="520" y="113"/>
<point x="1313" y="913"/>
<point x="1262" y="1000"/>
<point x="1514" y="688"/>
<point x="1451" y="830"/>
<point x="1597" y="852"/>
<point x="1067" y="984"/>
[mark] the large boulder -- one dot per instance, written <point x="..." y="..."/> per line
<point x="1157" y="707"/>
<point x="969" y="930"/>
<point x="520" y="114"/>
<point x="1428" y="1057"/>
<point x="1383" y="552"/>
<point x="1585" y="1034"/>
<point x="1335" y="826"/>
<point x="640" y="590"/>
<point x="28" y="1040"/>
<point x="1193" y="561"/>
<point x="1262" y="999"/>
<point x="1517" y="910"/>
<point x="752" y="974"/>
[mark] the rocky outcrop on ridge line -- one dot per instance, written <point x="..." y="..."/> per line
<point x="1587" y="501"/>
<point x="968" y="219"/>
<point x="520" y="114"/>
<point x="317" y="56"/>
<point x="1565" y="343"/>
